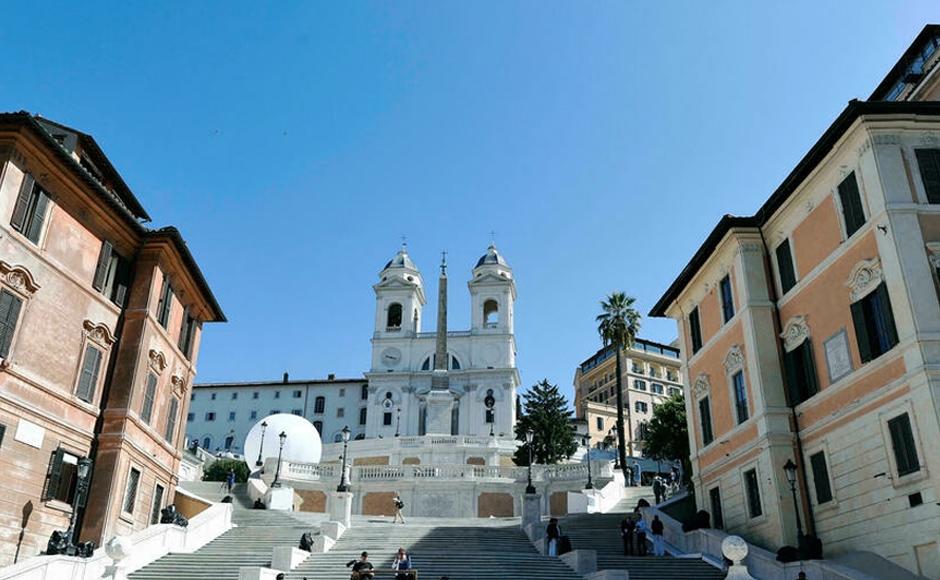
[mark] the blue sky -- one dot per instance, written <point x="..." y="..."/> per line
<point x="294" y="143"/>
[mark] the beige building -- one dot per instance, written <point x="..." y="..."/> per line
<point x="810" y="332"/>
<point x="651" y="373"/>
<point x="100" y="326"/>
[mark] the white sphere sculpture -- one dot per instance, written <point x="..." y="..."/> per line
<point x="734" y="548"/>
<point x="302" y="444"/>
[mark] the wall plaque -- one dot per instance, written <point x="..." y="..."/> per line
<point x="838" y="359"/>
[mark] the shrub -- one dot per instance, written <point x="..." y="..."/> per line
<point x="218" y="471"/>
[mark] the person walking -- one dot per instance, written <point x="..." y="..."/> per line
<point x="659" y="545"/>
<point x="402" y="562"/>
<point x="637" y="473"/>
<point x="553" y="533"/>
<point x="641" y="533"/>
<point x="229" y="481"/>
<point x="399" y="505"/>
<point x="627" y="529"/>
<point x="658" y="489"/>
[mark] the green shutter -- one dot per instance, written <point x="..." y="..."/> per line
<point x="146" y="409"/>
<point x="101" y="270"/>
<point x="821" y="477"/>
<point x="22" y="203"/>
<point x="88" y="378"/>
<point x="929" y="162"/>
<point x="902" y="442"/>
<point x="887" y="315"/>
<point x="171" y="420"/>
<point x="38" y="216"/>
<point x="851" y="204"/>
<point x="810" y="387"/>
<point x="9" y="314"/>
<point x="54" y="474"/>
<point x="861" y="331"/>
<point x="122" y="280"/>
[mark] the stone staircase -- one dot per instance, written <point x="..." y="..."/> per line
<point x="601" y="532"/>
<point x="248" y="544"/>
<point x="461" y="549"/>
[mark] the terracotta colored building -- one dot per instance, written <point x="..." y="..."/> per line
<point x="811" y="332"/>
<point x="100" y="324"/>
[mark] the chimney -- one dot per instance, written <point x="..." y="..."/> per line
<point x="331" y="377"/>
<point x="286" y="377"/>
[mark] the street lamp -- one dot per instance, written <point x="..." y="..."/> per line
<point x="789" y="468"/>
<point x="397" y="420"/>
<point x="529" y="437"/>
<point x="280" y="450"/>
<point x="613" y="433"/>
<point x="587" y="446"/>
<point x="343" y="483"/>
<point x="264" y="425"/>
<point x="64" y="543"/>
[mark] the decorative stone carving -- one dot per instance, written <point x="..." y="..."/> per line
<point x="865" y="277"/>
<point x="98" y="333"/>
<point x="929" y="139"/>
<point x="934" y="249"/>
<point x="179" y="383"/>
<point x="702" y="385"/>
<point x="735" y="549"/>
<point x="18" y="278"/>
<point x="864" y="147"/>
<point x="887" y="139"/>
<point x="794" y="332"/>
<point x="157" y="360"/>
<point x="734" y="360"/>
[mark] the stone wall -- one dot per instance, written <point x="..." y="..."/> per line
<point x="499" y="505"/>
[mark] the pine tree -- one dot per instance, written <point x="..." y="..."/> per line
<point x="547" y="415"/>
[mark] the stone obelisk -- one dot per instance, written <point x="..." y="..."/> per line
<point x="440" y="400"/>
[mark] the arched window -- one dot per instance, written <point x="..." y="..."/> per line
<point x="360" y="437"/>
<point x="319" y="406"/>
<point x="426" y="365"/>
<point x="206" y="442"/>
<point x="338" y="438"/>
<point x="229" y="441"/>
<point x="394" y="316"/>
<point x="454" y="363"/>
<point x="318" y="425"/>
<point x="364" y="393"/>
<point x="490" y="314"/>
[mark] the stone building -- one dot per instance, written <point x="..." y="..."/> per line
<point x="809" y="332"/>
<point x="651" y="373"/>
<point x="100" y="326"/>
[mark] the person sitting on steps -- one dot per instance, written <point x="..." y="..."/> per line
<point x="402" y="562"/>
<point x="362" y="568"/>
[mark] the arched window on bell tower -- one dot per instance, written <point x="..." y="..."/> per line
<point x="394" y="317"/>
<point x="490" y="314"/>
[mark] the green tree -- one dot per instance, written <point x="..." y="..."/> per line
<point x="218" y="470"/>
<point x="547" y="415"/>
<point x="666" y="437"/>
<point x="618" y="324"/>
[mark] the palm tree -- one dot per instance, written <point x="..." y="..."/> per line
<point x="618" y="325"/>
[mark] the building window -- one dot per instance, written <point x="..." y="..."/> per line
<point x="88" y="375"/>
<point x="714" y="498"/>
<point x="229" y="441"/>
<point x="192" y="396"/>
<point x="170" y="430"/>
<point x="277" y="394"/>
<point x="29" y="213"/>
<point x="740" y="396"/>
<point x="319" y="405"/>
<point x="902" y="442"/>
<point x="362" y="415"/>
<point x="639" y="385"/>
<point x="163" y="305"/>
<point x="752" y="487"/>
<point x="255" y="395"/>
<point x="10" y="307"/>
<point x="851" y="200"/>
<point x="297" y="412"/>
<point x="600" y="423"/>
<point x="130" y="492"/>
<point x="254" y="415"/>
<point x="213" y="396"/>
<point x="112" y="274"/>
<point x="929" y="162"/>
<point x="342" y="392"/>
<point x="210" y="416"/>
<point x="190" y="417"/>
<point x="340" y="412"/>
<point x="386" y="418"/>
<point x="695" y="330"/>
<point x="274" y="412"/>
<point x="158" y="492"/>
<point x="187" y="333"/>
<point x="785" y="270"/>
<point x="821" y="477"/>
<point x="727" y="298"/>
<point x="640" y="407"/>
<point x="656" y="388"/>
<point x="234" y="396"/>
<point x="318" y="425"/>
<point x="231" y="416"/>
<point x="490" y="314"/>
<point x="674" y="392"/>
<point x="206" y="442"/>
<point x="394" y="317"/>
<point x="875" y="331"/>
<point x="800" y="369"/>
<point x="61" y="477"/>
<point x="705" y="418"/>
<point x="298" y="394"/>
<point x="146" y="408"/>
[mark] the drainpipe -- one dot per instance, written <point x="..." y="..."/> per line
<point x="798" y="441"/>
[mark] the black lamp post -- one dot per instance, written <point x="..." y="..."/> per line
<point x="264" y="426"/>
<point x="529" y="437"/>
<point x="613" y="433"/>
<point x="587" y="446"/>
<point x="280" y="450"/>
<point x="397" y="420"/>
<point x="64" y="543"/>
<point x="343" y="483"/>
<point x="789" y="468"/>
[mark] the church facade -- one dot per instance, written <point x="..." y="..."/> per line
<point x="443" y="382"/>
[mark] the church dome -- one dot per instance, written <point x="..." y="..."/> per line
<point x="401" y="260"/>
<point x="491" y="257"/>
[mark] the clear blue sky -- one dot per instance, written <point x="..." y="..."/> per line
<point x="293" y="146"/>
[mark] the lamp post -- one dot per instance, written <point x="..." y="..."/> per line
<point x="343" y="483"/>
<point x="789" y="468"/>
<point x="529" y="437"/>
<point x="81" y="494"/>
<point x="587" y="446"/>
<point x="397" y="420"/>
<point x="280" y="450"/>
<point x="613" y="433"/>
<point x="264" y="426"/>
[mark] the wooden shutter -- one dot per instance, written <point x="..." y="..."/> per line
<point x="54" y="475"/>
<point x="37" y="217"/>
<point x="122" y="279"/>
<point x="9" y="314"/>
<point x="861" y="331"/>
<point x="101" y="270"/>
<point x="785" y="266"/>
<point x="851" y="204"/>
<point x="902" y="441"/>
<point x="88" y="378"/>
<point x="146" y="410"/>
<point x="184" y="330"/>
<point x="929" y="162"/>
<point x="886" y="314"/>
<point x="821" y="477"/>
<point x="810" y="386"/>
<point x="171" y="420"/>
<point x="22" y="203"/>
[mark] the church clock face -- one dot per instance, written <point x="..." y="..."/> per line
<point x="391" y="356"/>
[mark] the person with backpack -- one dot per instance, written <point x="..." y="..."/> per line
<point x="627" y="529"/>
<point x="399" y="505"/>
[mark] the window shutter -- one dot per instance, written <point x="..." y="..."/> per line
<point x="821" y="477"/>
<point x="171" y="420"/>
<point x="88" y="378"/>
<point x="9" y="314"/>
<point x="851" y="204"/>
<point x="809" y="369"/>
<point x="184" y="329"/>
<point x="929" y="162"/>
<point x="861" y="332"/>
<point x="22" y="203"/>
<point x="38" y="215"/>
<point x="122" y="279"/>
<point x="147" y="408"/>
<point x="101" y="270"/>
<point x="54" y="475"/>
<point x="887" y="315"/>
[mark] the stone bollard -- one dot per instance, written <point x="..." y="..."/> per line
<point x="287" y="557"/>
<point x="257" y="573"/>
<point x="581" y="561"/>
<point x="734" y="548"/>
<point x="531" y="509"/>
<point x="339" y="507"/>
<point x="279" y="498"/>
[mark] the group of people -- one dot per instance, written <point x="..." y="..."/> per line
<point x="635" y="533"/>
<point x="362" y="569"/>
